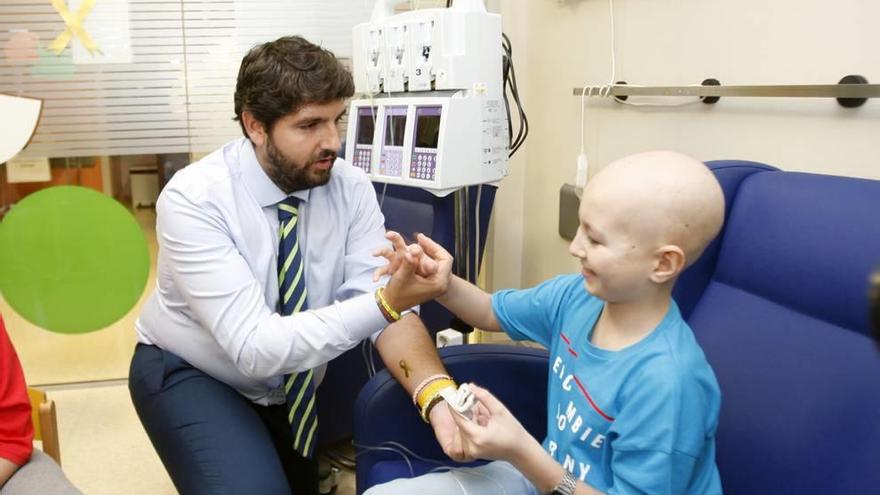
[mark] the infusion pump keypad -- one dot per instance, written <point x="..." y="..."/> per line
<point x="363" y="158"/>
<point x="391" y="163"/>
<point x="423" y="166"/>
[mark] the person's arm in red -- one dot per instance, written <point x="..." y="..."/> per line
<point x="16" y="428"/>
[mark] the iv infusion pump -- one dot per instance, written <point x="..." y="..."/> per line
<point x="432" y="112"/>
<point x="433" y="142"/>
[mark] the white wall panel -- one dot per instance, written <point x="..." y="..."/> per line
<point x="176" y="92"/>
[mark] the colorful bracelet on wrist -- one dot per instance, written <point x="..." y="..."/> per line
<point x="433" y="389"/>
<point x="424" y="383"/>
<point x="425" y="413"/>
<point x="427" y="393"/>
<point x="388" y="312"/>
<point x="431" y="395"/>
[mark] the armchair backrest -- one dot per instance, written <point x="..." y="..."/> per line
<point x="779" y="305"/>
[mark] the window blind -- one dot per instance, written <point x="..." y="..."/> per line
<point x="164" y="78"/>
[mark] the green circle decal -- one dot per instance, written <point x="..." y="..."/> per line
<point x="72" y="260"/>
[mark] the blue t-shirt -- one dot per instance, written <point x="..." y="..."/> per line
<point x="638" y="420"/>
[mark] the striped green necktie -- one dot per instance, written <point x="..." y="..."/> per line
<point x="298" y="387"/>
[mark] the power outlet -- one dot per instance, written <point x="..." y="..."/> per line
<point x="449" y="337"/>
<point x="569" y="201"/>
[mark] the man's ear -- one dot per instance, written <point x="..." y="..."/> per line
<point x="255" y="129"/>
<point x="669" y="263"/>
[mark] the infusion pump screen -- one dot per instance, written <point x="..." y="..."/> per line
<point x="428" y="131"/>
<point x="395" y="127"/>
<point x="365" y="128"/>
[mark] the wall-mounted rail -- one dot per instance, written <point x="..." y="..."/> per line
<point x="851" y="91"/>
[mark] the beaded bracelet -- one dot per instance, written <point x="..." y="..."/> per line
<point x="433" y="389"/>
<point x="424" y="384"/>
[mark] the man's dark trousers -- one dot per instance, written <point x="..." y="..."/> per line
<point x="212" y="439"/>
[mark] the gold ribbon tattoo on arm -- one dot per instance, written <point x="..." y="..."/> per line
<point x="406" y="369"/>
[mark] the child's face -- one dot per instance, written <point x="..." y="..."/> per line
<point x="616" y="261"/>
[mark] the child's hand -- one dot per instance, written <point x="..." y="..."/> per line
<point x="396" y="254"/>
<point x="494" y="433"/>
<point x="421" y="272"/>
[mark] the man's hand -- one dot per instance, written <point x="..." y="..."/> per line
<point x="421" y="272"/>
<point x="396" y="255"/>
<point x="447" y="432"/>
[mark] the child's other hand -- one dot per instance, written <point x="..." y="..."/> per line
<point x="494" y="433"/>
<point x="420" y="274"/>
<point x="396" y="254"/>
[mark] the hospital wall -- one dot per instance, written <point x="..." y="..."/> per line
<point x="559" y="45"/>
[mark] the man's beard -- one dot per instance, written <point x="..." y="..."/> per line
<point x="291" y="176"/>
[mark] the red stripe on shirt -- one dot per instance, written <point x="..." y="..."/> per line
<point x="590" y="400"/>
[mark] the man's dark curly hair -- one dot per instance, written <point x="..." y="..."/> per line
<point x="279" y="77"/>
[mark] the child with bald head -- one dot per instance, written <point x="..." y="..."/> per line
<point x="632" y="402"/>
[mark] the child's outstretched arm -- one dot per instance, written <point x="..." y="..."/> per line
<point x="469" y="302"/>
<point x="496" y="434"/>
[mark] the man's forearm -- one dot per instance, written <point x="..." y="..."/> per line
<point x="471" y="304"/>
<point x="408" y="352"/>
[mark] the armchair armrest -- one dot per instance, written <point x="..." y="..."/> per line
<point x="383" y="411"/>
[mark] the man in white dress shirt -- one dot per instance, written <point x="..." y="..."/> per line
<point x="207" y="375"/>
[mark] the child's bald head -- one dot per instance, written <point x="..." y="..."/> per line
<point x="661" y="198"/>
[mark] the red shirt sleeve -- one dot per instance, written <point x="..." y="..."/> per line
<point x="16" y="428"/>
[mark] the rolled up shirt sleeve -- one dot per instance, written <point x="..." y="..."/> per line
<point x="224" y="297"/>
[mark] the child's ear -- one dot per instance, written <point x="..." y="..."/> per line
<point x="669" y="263"/>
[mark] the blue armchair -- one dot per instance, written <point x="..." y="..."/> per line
<point x="783" y="319"/>
<point x="778" y="303"/>
<point x="385" y="418"/>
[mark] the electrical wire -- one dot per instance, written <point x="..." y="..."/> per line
<point x="460" y="485"/>
<point x="406" y="454"/>
<point x="340" y="460"/>
<point x="403" y="450"/>
<point x="364" y="344"/>
<point x="613" y="48"/>
<point x="471" y="472"/>
<point x="509" y="84"/>
<point x="604" y="91"/>
<point x="478" y="249"/>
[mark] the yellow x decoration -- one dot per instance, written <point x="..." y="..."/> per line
<point x="74" y="27"/>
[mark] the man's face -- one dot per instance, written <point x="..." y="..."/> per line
<point x="299" y="150"/>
